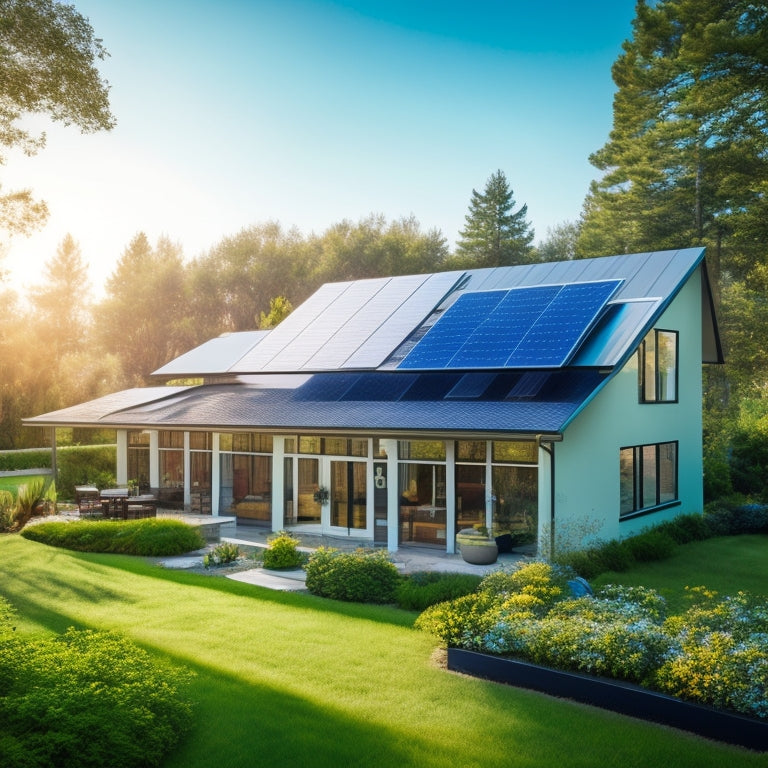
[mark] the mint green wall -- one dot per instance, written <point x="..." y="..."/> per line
<point x="587" y="461"/>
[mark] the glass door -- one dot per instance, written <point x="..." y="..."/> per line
<point x="348" y="494"/>
<point x="309" y="508"/>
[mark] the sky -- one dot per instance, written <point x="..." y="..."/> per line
<point x="308" y="112"/>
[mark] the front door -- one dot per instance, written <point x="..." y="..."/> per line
<point x="348" y="494"/>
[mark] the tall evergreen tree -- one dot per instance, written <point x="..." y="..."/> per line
<point x="494" y="236"/>
<point x="687" y="157"/>
<point x="62" y="302"/>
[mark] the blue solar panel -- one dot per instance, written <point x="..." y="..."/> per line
<point x="556" y="334"/>
<point x="497" y="337"/>
<point x="531" y="327"/>
<point x="447" y="335"/>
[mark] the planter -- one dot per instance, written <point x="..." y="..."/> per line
<point x="478" y="551"/>
<point x="617" y="696"/>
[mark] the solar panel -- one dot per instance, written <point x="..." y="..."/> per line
<point x="556" y="334"/>
<point x="447" y="335"/>
<point x="532" y="327"/>
<point x="500" y="333"/>
<point x="471" y="385"/>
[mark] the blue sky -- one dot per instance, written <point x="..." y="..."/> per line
<point x="310" y="111"/>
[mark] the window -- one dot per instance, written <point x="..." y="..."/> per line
<point x="657" y="367"/>
<point x="648" y="477"/>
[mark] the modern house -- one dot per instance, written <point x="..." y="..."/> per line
<point x="556" y="400"/>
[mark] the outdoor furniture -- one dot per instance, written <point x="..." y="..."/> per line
<point x="88" y="500"/>
<point x="112" y="501"/>
<point x="139" y="507"/>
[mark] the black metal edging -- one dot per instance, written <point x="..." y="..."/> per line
<point x="617" y="696"/>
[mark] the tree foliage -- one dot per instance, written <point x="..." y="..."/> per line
<point x="48" y="57"/>
<point x="687" y="158"/>
<point x="493" y="235"/>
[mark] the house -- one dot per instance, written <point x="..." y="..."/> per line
<point x="553" y="401"/>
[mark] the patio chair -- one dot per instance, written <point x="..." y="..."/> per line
<point x="88" y="501"/>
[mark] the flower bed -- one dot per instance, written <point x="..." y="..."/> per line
<point x="621" y="697"/>
<point x="714" y="654"/>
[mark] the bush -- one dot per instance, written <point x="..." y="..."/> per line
<point x="283" y="552"/>
<point x="13" y="461"/>
<point x="714" y="653"/>
<point x="731" y="518"/>
<point x="650" y="545"/>
<point x="418" y="591"/>
<point x="222" y="554"/>
<point x="7" y="511"/>
<point x="86" y="699"/>
<point x="687" y="528"/>
<point x="361" y="576"/>
<point x="148" y="538"/>
<point x="85" y="465"/>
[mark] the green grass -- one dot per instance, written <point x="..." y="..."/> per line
<point x="286" y="679"/>
<point x="726" y="564"/>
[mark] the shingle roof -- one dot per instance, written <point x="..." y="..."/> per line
<point x="335" y="363"/>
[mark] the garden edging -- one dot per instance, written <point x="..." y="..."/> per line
<point x="615" y="695"/>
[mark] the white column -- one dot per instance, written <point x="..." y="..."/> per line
<point x="450" y="496"/>
<point x="187" y="473"/>
<point x="215" y="475"/>
<point x="278" y="483"/>
<point x="121" y="470"/>
<point x="154" y="459"/>
<point x="393" y="495"/>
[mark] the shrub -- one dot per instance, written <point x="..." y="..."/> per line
<point x="418" y="591"/>
<point x="650" y="545"/>
<point x="32" y="498"/>
<point x="148" y="538"/>
<point x="7" y="510"/>
<point x="687" y="528"/>
<point x="714" y="653"/>
<point x="283" y="552"/>
<point x="85" y="465"/>
<point x="222" y="554"/>
<point x="87" y="699"/>
<point x="361" y="576"/>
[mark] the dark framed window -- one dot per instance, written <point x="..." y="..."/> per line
<point x="648" y="475"/>
<point x="657" y="368"/>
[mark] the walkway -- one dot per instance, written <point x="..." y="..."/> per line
<point x="408" y="559"/>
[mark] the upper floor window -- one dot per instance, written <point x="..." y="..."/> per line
<point x="658" y="367"/>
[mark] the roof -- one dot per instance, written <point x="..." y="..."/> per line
<point x="342" y="402"/>
<point x="213" y="356"/>
<point x="506" y="350"/>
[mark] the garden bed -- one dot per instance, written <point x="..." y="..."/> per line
<point x="617" y="696"/>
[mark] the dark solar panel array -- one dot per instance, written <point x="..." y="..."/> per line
<point x="533" y="327"/>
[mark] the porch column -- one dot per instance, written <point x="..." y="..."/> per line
<point x="278" y="483"/>
<point x="187" y="475"/>
<point x="215" y="474"/>
<point x="393" y="495"/>
<point x="154" y="458"/>
<point x="121" y="470"/>
<point x="450" y="497"/>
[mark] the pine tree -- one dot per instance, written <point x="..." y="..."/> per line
<point x="494" y="236"/>
<point x="687" y="157"/>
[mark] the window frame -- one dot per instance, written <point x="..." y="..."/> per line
<point x="656" y="370"/>
<point x="639" y="489"/>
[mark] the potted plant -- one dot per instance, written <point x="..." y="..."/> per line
<point x="476" y="546"/>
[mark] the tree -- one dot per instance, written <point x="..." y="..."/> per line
<point x="48" y="56"/>
<point x="560" y="242"/>
<point x="687" y="157"/>
<point x="374" y="247"/>
<point x="144" y="318"/>
<point x="279" y="309"/>
<point x="494" y="236"/>
<point x="62" y="303"/>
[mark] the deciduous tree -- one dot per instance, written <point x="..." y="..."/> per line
<point x="48" y="60"/>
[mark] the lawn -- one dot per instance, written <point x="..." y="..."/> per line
<point x="286" y="679"/>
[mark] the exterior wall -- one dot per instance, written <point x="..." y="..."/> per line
<point x="587" y="482"/>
